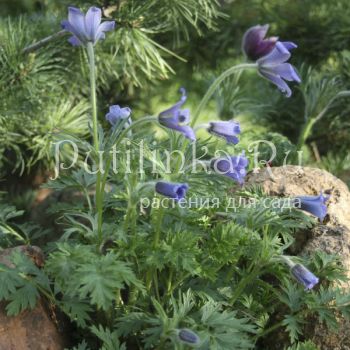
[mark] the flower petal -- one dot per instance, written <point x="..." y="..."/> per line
<point x="116" y="114"/>
<point x="76" y="20"/>
<point x="186" y="130"/>
<point x="187" y="336"/>
<point x="289" y="45"/>
<point x="287" y="72"/>
<point x="304" y="276"/>
<point x="184" y="116"/>
<point x="73" y="40"/>
<point x="314" y="205"/>
<point x="226" y="129"/>
<point x="252" y="37"/>
<point x="92" y="22"/>
<point x="172" y="110"/>
<point x="104" y="27"/>
<point x="278" y="81"/>
<point x="66" y="25"/>
<point x="277" y="56"/>
<point x="176" y="191"/>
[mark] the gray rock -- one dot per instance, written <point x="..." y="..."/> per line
<point x="332" y="236"/>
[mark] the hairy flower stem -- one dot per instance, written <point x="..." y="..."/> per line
<point x="152" y="273"/>
<point x="216" y="84"/>
<point x="170" y="279"/>
<point x="124" y="133"/>
<point x="208" y="95"/>
<point x="305" y="133"/>
<point x="98" y="203"/>
<point x="309" y="124"/>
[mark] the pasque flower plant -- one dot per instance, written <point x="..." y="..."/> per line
<point x="149" y="277"/>
<point x="177" y="119"/>
<point x="270" y="56"/>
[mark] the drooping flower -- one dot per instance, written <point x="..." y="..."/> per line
<point x="315" y="205"/>
<point x="117" y="113"/>
<point x="234" y="167"/>
<point x="226" y="129"/>
<point x="175" y="191"/>
<point x="86" y="28"/>
<point x="274" y="68"/>
<point x="304" y="276"/>
<point x="255" y="45"/>
<point x="177" y="119"/>
<point x="188" y="337"/>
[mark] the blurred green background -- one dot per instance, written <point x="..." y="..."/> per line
<point x="159" y="46"/>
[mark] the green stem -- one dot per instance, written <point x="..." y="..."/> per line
<point x="152" y="272"/>
<point x="14" y="233"/>
<point x="99" y="207"/>
<point x="170" y="279"/>
<point x="244" y="282"/>
<point x="216" y="84"/>
<point x="210" y="92"/>
<point x="271" y="329"/>
<point x="158" y="227"/>
<point x="120" y="139"/>
<point x="47" y="294"/>
<point x="305" y="132"/>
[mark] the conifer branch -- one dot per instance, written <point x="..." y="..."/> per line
<point x="43" y="42"/>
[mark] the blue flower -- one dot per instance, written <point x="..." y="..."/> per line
<point x="188" y="337"/>
<point x="116" y="114"/>
<point x="233" y="167"/>
<point x="226" y="129"/>
<point x="274" y="68"/>
<point x="86" y="28"/>
<point x="313" y="204"/>
<point x="254" y="44"/>
<point x="177" y="119"/>
<point x="172" y="190"/>
<point x="304" y="276"/>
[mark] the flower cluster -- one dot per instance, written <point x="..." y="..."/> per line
<point x="177" y="119"/>
<point x="271" y="56"/>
